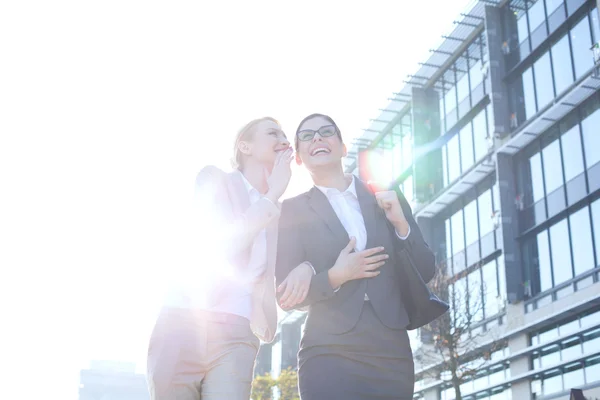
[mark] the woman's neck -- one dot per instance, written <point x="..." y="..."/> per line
<point x="256" y="174"/>
<point x="331" y="178"/>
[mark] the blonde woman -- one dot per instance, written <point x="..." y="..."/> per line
<point x="205" y="342"/>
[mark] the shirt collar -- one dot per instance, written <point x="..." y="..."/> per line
<point x="249" y="188"/>
<point x="327" y="191"/>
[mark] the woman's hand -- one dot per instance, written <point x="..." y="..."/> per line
<point x="294" y="288"/>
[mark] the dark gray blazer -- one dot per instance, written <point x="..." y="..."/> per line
<point x="309" y="230"/>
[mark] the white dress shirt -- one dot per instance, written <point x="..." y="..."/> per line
<point x="347" y="208"/>
<point x="238" y="300"/>
<point x="196" y="287"/>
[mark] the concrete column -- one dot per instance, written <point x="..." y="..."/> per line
<point x="509" y="224"/>
<point x="497" y="70"/>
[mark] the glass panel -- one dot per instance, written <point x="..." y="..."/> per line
<point x="466" y="147"/>
<point x="490" y="288"/>
<point x="476" y="75"/>
<point x="548" y="335"/>
<point x="557" y="17"/>
<point x="552" y="5"/>
<point x="445" y="165"/>
<point x="561" y="257"/>
<point x="502" y="280"/>
<point x="571" y="349"/>
<point x="486" y="224"/>
<point x="561" y="62"/>
<point x="591" y="341"/>
<point x="529" y="93"/>
<point x="550" y="355"/>
<point x="596" y="227"/>
<point x="573" y="376"/>
<point x="543" y="81"/>
<point x="462" y="86"/>
<point x="592" y="370"/>
<point x="553" y="167"/>
<point x="523" y="31"/>
<point x="457" y="232"/>
<point x="536" y="14"/>
<point x="460" y="298"/>
<point x="450" y="100"/>
<point x="591" y="138"/>
<point x="573" y="157"/>
<point x="475" y="295"/>
<point x="453" y="159"/>
<point x="581" y="240"/>
<point x="537" y="179"/>
<point x="471" y="228"/>
<point x="581" y="42"/>
<point x="480" y="136"/>
<point x="552" y="382"/>
<point x="406" y="151"/>
<point x="544" y="269"/>
<point x="448" y="240"/>
<point x="595" y="25"/>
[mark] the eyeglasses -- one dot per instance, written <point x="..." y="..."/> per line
<point x="324" y="131"/>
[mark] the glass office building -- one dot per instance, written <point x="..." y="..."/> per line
<point x="495" y="141"/>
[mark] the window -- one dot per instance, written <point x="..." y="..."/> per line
<point x="552" y="166"/>
<point x="490" y="289"/>
<point x="453" y="159"/>
<point x="445" y="165"/>
<point x="561" y="257"/>
<point x="543" y="81"/>
<point x="571" y="146"/>
<point x="529" y="93"/>
<point x="480" y="136"/>
<point x="591" y="138"/>
<point x="471" y="228"/>
<point x="544" y="267"/>
<point x="448" y="240"/>
<point x="581" y="239"/>
<point x="466" y="147"/>
<point x="462" y="87"/>
<point x="485" y="213"/>
<point x="537" y="178"/>
<point x="552" y="5"/>
<point x="522" y="28"/>
<point x="536" y="14"/>
<point x="561" y="62"/>
<point x="595" y="25"/>
<point x="458" y="242"/>
<point x="475" y="295"/>
<point x="450" y="100"/>
<point x="596" y="227"/>
<point x="581" y="43"/>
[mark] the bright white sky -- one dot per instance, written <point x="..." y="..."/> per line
<point x="107" y="112"/>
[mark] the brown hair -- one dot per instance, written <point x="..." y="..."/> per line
<point x="244" y="134"/>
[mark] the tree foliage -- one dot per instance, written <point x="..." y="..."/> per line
<point x="286" y="384"/>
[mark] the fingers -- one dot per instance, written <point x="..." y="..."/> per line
<point x="370" y="252"/>
<point x="374" y="266"/>
<point x="298" y="295"/>
<point x="287" y="292"/>
<point x="377" y="258"/>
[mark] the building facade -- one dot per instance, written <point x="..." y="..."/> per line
<point x="108" y="380"/>
<point x="495" y="141"/>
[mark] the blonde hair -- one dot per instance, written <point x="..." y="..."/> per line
<point x="244" y="134"/>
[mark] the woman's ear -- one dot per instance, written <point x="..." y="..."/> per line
<point x="298" y="159"/>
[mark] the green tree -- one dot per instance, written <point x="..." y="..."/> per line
<point x="262" y="387"/>
<point x="287" y="383"/>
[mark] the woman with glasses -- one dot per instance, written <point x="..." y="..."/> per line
<point x="355" y="344"/>
<point x="207" y="336"/>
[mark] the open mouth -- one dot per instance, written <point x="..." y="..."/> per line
<point x="320" y="150"/>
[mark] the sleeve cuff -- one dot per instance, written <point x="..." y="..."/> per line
<point x="403" y="237"/>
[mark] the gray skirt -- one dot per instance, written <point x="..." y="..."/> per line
<point x="371" y="361"/>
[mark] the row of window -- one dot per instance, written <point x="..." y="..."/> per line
<point x="568" y="59"/>
<point x="537" y="19"/>
<point x="564" y="328"/>
<point x="574" y="375"/>
<point x="462" y="85"/>
<point x="562" y="167"/>
<point x="470" y="232"/>
<point x="479" y="295"/>
<point x="467" y="147"/>
<point x="565" y="250"/>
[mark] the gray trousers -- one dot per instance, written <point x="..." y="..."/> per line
<point x="199" y="355"/>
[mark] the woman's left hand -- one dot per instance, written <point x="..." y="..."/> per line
<point x="294" y="288"/>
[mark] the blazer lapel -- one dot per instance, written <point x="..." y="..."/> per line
<point x="320" y="205"/>
<point x="369" y="209"/>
